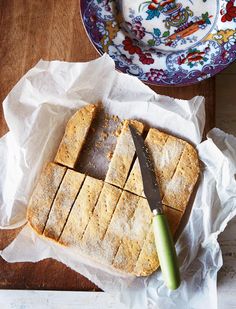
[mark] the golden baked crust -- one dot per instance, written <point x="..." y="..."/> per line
<point x="122" y="158"/>
<point x="62" y="204"/>
<point x="75" y="134"/>
<point x="81" y="212"/>
<point x="43" y="195"/>
<point x="105" y="222"/>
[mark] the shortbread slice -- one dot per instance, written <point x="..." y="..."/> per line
<point x="62" y="204"/>
<point x="166" y="166"/>
<point x="74" y="137"/>
<point x="180" y="187"/>
<point x="43" y="195"/>
<point x="119" y="226"/>
<point x="165" y="151"/>
<point x="99" y="222"/>
<point x="155" y="141"/>
<point x="147" y="261"/>
<point x="133" y="240"/>
<point x="123" y="156"/>
<point x="81" y="212"/>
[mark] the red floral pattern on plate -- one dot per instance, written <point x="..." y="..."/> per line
<point x="129" y="45"/>
<point x="229" y="13"/>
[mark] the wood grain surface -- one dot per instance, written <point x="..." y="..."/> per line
<point x="52" y="30"/>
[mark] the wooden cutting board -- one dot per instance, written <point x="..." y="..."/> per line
<point x="49" y="30"/>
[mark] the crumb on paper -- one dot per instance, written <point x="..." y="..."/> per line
<point x="91" y="164"/>
<point x="117" y="131"/>
<point x="109" y="155"/>
<point x="115" y="118"/>
<point x="106" y="120"/>
<point x="104" y="135"/>
<point x="98" y="144"/>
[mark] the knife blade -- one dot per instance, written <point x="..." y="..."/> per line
<point x="163" y="238"/>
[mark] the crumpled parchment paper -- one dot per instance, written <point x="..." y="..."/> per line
<point x="36" y="111"/>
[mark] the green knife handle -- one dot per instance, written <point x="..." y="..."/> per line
<point x="166" y="251"/>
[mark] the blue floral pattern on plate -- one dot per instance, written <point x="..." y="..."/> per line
<point x="164" y="42"/>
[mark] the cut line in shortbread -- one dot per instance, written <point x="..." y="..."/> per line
<point x="81" y="212"/>
<point x="123" y="156"/>
<point x="43" y="195"/>
<point x="119" y="225"/>
<point x="155" y="141"/>
<point x="74" y="137"/>
<point x="180" y="187"/>
<point x="110" y="222"/>
<point x="165" y="151"/>
<point x="100" y="220"/>
<point x="132" y="242"/>
<point x="62" y="204"/>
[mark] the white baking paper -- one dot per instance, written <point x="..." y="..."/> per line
<point x="36" y="111"/>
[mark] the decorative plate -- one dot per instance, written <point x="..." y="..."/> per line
<point x="164" y="42"/>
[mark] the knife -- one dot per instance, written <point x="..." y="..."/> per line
<point x="163" y="238"/>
